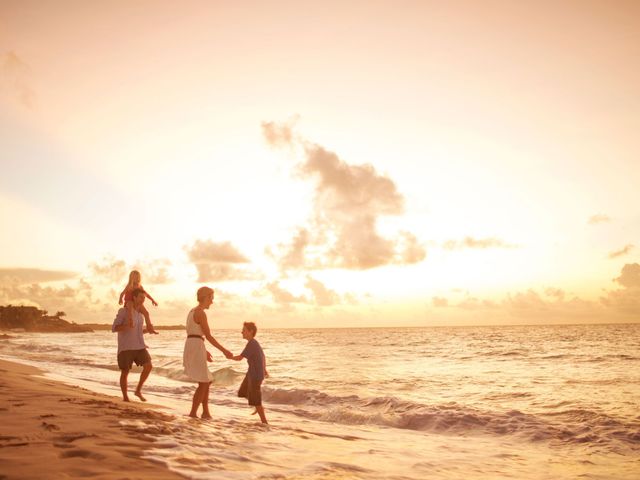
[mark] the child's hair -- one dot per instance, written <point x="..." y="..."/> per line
<point x="134" y="274"/>
<point x="204" y="292"/>
<point x="251" y="327"/>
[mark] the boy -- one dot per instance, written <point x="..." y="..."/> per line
<point x="250" y="388"/>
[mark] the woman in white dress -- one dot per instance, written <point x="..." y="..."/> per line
<point x="195" y="354"/>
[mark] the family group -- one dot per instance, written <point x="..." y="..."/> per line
<point x="133" y="321"/>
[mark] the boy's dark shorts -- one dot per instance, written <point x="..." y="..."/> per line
<point x="250" y="389"/>
<point x="127" y="357"/>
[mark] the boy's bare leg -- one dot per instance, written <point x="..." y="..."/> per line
<point x="123" y="384"/>
<point x="206" y="415"/>
<point x="260" y="410"/>
<point x="197" y="400"/>
<point x="146" y="370"/>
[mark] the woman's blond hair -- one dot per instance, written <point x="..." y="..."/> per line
<point x="204" y="292"/>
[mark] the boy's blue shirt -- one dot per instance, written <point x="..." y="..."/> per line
<point x="255" y="356"/>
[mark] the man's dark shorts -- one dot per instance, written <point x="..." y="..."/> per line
<point x="127" y="357"/>
<point x="250" y="389"/>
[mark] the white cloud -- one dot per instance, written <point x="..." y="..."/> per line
<point x="17" y="276"/>
<point x="598" y="218"/>
<point x="15" y="79"/>
<point x="216" y="261"/>
<point x="348" y="201"/>
<point x="110" y="270"/>
<point x="322" y="295"/>
<point x="623" y="251"/>
<point x="479" y="243"/>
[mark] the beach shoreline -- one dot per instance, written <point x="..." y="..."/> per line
<point x="49" y="429"/>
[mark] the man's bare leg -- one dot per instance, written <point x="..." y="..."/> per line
<point x="146" y="370"/>
<point x="123" y="384"/>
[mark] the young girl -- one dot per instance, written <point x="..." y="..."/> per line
<point x="134" y="282"/>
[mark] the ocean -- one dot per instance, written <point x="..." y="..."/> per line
<point x="522" y="402"/>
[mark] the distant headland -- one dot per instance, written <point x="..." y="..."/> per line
<point x="31" y="319"/>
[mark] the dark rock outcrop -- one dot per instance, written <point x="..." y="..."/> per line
<point x="32" y="319"/>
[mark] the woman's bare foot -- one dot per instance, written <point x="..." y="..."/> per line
<point x="138" y="394"/>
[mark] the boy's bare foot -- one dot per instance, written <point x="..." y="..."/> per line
<point x="138" y="394"/>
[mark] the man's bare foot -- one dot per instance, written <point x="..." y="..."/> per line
<point x="126" y="399"/>
<point x="138" y="394"/>
<point x="206" y="416"/>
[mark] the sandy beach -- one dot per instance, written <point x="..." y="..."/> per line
<point x="52" y="430"/>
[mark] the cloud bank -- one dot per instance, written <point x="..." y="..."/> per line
<point x="623" y="251"/>
<point x="348" y="202"/>
<point x="481" y="243"/>
<point x="19" y="276"/>
<point x="598" y="218"/>
<point x="15" y="79"/>
<point x="217" y="261"/>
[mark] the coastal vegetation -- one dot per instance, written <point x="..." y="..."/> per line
<point x="32" y="319"/>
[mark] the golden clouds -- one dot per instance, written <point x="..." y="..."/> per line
<point x="215" y="261"/>
<point x="629" y="276"/>
<point x="481" y="243"/>
<point x="553" y="305"/>
<point x="17" y="276"/>
<point x="110" y="270"/>
<point x="348" y="200"/>
<point x="626" y="299"/>
<point x="319" y="294"/>
<point x="282" y="296"/>
<point x="623" y="251"/>
<point x="15" y="79"/>
<point x="599" y="218"/>
<point x="154" y="271"/>
<point x="113" y="270"/>
<point x="278" y="134"/>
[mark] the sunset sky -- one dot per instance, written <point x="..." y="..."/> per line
<point x="320" y="164"/>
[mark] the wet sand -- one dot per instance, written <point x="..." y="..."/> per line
<point x="52" y="430"/>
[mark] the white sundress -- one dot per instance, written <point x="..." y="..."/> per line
<point x="194" y="358"/>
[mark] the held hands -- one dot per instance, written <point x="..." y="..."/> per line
<point x="228" y="354"/>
